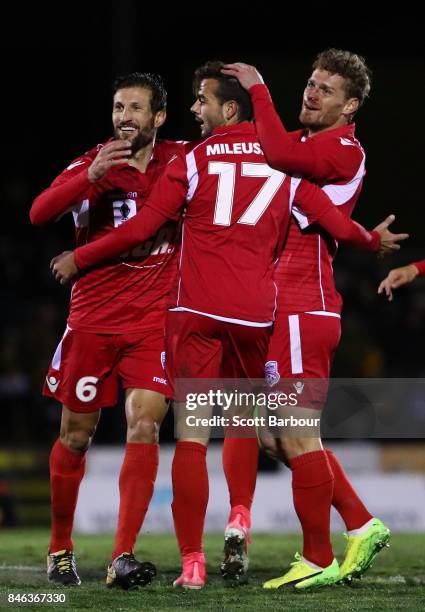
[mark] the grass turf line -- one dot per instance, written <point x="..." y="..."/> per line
<point x="395" y="582"/>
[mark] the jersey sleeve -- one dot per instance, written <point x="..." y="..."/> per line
<point x="165" y="202"/>
<point x="66" y="191"/>
<point x="316" y="205"/>
<point x="420" y="265"/>
<point x="334" y="160"/>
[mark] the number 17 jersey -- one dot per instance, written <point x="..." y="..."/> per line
<point x="236" y="209"/>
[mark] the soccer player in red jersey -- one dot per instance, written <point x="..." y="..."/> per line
<point x="222" y="309"/>
<point x="401" y="276"/>
<point x="115" y="326"/>
<point x="307" y="329"/>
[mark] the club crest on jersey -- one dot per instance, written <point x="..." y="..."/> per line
<point x="299" y="386"/>
<point x="124" y="210"/>
<point x="163" y="360"/>
<point x="272" y="373"/>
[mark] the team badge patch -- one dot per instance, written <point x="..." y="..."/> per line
<point x="272" y="373"/>
<point x="299" y="386"/>
<point x="124" y="210"/>
<point x="163" y="360"/>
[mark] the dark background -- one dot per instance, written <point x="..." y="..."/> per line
<point x="57" y="70"/>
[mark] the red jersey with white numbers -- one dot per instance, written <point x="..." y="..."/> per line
<point x="335" y="160"/>
<point x="129" y="292"/>
<point x="237" y="209"/>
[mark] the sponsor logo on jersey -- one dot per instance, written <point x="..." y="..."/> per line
<point x="161" y="381"/>
<point x="272" y="373"/>
<point x="237" y="148"/>
<point x="52" y="383"/>
<point x="299" y="386"/>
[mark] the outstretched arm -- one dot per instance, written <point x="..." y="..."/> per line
<point x="401" y="276"/>
<point x="319" y="208"/>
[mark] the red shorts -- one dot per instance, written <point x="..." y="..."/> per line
<point x="303" y="346"/>
<point x="200" y="347"/>
<point x="86" y="367"/>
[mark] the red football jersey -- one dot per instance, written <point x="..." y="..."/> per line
<point x="237" y="208"/>
<point x="304" y="273"/>
<point x="335" y="160"/>
<point x="129" y="293"/>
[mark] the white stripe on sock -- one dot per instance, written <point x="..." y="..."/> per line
<point x="361" y="530"/>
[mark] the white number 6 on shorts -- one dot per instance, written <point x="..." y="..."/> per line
<point x="85" y="389"/>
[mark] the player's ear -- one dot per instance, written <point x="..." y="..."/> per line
<point x="160" y="117"/>
<point x="351" y="106"/>
<point x="230" y="109"/>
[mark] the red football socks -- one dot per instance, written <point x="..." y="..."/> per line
<point x="66" y="472"/>
<point x="137" y="480"/>
<point x="240" y="463"/>
<point x="190" y="489"/>
<point x="345" y="499"/>
<point x="312" y="485"/>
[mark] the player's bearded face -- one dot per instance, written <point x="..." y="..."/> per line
<point x="324" y="101"/>
<point x="140" y="138"/>
<point x="132" y="117"/>
<point x="208" y="109"/>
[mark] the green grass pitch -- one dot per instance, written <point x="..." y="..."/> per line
<point x="395" y="582"/>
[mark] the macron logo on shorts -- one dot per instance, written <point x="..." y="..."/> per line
<point x="52" y="383"/>
<point x="161" y="381"/>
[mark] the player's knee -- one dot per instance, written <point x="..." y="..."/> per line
<point x="143" y="429"/>
<point x="77" y="439"/>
